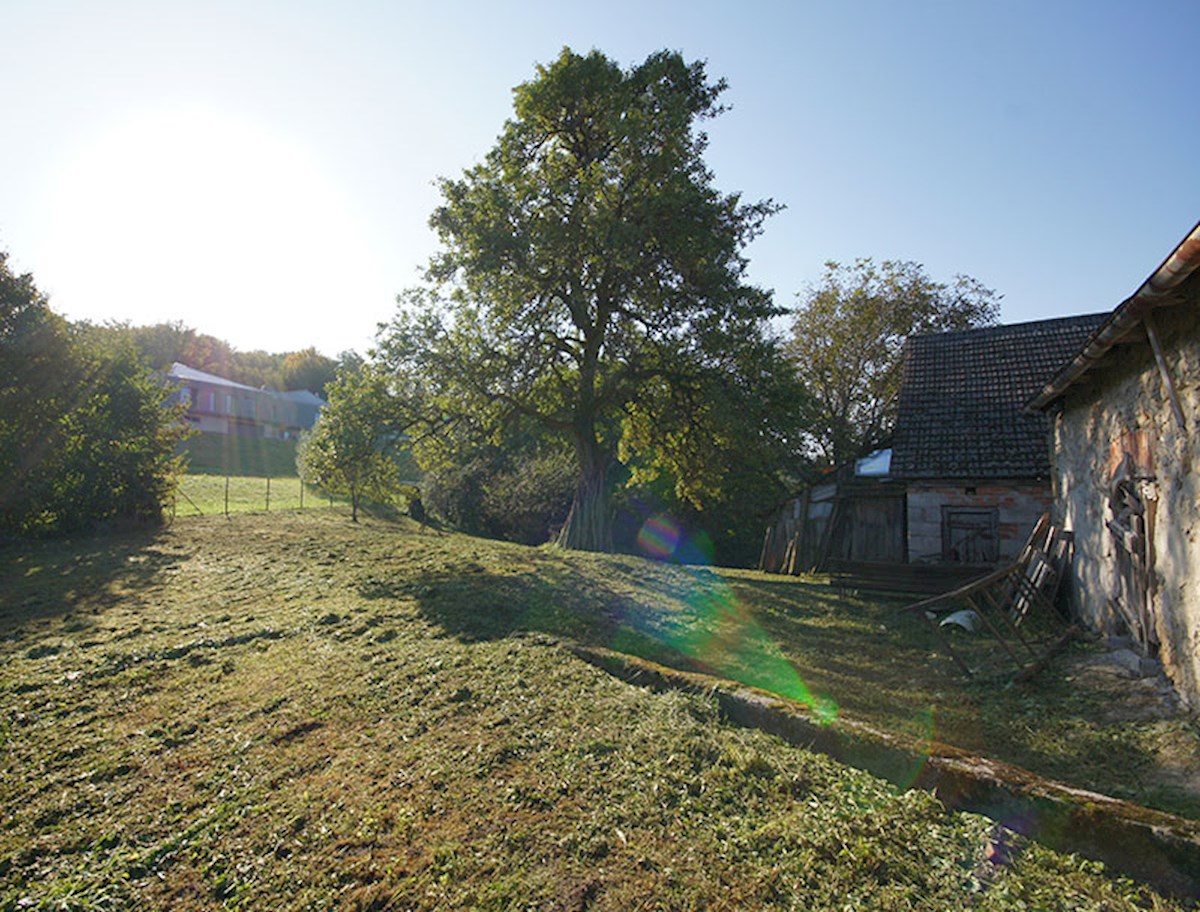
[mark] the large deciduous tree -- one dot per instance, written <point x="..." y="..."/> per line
<point x="588" y="268"/>
<point x="848" y="335"/>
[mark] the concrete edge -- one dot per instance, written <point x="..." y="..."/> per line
<point x="1158" y="848"/>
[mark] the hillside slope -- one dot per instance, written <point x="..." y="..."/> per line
<point x="294" y="711"/>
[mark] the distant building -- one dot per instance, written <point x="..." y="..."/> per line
<point x="219" y="406"/>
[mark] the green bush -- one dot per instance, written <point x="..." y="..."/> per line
<point x="515" y="493"/>
<point x="87" y="435"/>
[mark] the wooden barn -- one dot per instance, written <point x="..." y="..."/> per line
<point x="967" y="474"/>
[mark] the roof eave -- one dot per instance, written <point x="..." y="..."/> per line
<point x="1154" y="292"/>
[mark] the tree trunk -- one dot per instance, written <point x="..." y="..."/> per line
<point x="589" y="523"/>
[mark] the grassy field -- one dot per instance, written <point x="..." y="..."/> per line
<point x="259" y="457"/>
<point x="205" y="495"/>
<point x="292" y="711"/>
<point x="230" y="454"/>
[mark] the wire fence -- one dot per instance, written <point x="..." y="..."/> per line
<point x="214" y="495"/>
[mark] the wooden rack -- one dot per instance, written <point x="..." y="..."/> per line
<point x="1015" y="606"/>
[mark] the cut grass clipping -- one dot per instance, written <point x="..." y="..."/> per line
<point x="292" y="711"/>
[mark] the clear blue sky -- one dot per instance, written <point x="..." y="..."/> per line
<point x="263" y="171"/>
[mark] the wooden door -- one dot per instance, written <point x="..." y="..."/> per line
<point x="875" y="529"/>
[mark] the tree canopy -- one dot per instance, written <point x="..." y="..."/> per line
<point x="589" y="271"/>
<point x="161" y="344"/>
<point x="87" y="434"/>
<point x="848" y="335"/>
<point x="351" y="448"/>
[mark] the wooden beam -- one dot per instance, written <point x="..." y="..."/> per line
<point x="1163" y="371"/>
<point x="995" y="631"/>
<point x="999" y="609"/>
<point x="965" y="589"/>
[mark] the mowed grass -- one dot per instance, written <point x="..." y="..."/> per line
<point x="1079" y="721"/>
<point x="232" y="454"/>
<point x="292" y="711"/>
<point x="210" y="495"/>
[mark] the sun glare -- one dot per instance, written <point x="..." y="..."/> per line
<point x="216" y="222"/>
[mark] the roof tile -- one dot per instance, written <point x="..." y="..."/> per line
<point x="960" y="413"/>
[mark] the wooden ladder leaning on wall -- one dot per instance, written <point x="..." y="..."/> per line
<point x="1015" y="604"/>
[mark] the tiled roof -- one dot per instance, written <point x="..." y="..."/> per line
<point x="960" y="413"/>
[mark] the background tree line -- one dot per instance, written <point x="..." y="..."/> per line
<point x="162" y="344"/>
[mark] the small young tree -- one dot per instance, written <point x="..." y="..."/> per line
<point x="349" y="451"/>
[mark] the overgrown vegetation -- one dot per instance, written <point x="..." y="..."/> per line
<point x="290" y="709"/>
<point x="518" y="489"/>
<point x="86" y="433"/>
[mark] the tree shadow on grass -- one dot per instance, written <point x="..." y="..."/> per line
<point x="475" y="604"/>
<point x="799" y="593"/>
<point x="50" y="578"/>
<point x="804" y="642"/>
<point x="688" y="618"/>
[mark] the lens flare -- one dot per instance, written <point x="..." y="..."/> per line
<point x="717" y="630"/>
<point x="662" y="538"/>
<point x="659" y="536"/>
<point x="696" y="549"/>
<point x="709" y="624"/>
<point x="724" y="637"/>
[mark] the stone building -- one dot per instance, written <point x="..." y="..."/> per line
<point x="1125" y="410"/>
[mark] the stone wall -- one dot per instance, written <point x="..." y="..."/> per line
<point x="1018" y="505"/>
<point x="1120" y="409"/>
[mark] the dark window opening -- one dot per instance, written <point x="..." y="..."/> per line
<point x="969" y="535"/>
